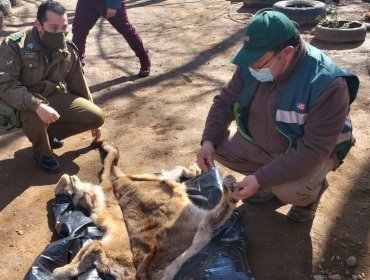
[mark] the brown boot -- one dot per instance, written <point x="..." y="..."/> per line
<point x="307" y="213"/>
<point x="301" y="213"/>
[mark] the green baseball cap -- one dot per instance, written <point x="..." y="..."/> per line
<point x="265" y="31"/>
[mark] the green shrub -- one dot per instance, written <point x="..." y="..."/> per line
<point x="332" y="22"/>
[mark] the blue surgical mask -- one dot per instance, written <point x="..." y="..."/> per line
<point x="264" y="74"/>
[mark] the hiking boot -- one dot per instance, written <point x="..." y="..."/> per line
<point x="144" y="66"/>
<point x="55" y="143"/>
<point x="307" y="213"/>
<point x="48" y="163"/>
<point x="263" y="195"/>
<point x="301" y="214"/>
<point x="144" y="72"/>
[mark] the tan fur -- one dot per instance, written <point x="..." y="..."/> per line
<point x="163" y="226"/>
<point x="112" y="254"/>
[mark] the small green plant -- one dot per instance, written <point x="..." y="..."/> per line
<point x="331" y="22"/>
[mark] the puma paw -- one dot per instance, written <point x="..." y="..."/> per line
<point x="228" y="185"/>
<point x="59" y="274"/>
<point x="195" y="170"/>
<point x="192" y="171"/>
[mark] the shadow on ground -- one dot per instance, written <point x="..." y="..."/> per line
<point x="24" y="167"/>
<point x="276" y="243"/>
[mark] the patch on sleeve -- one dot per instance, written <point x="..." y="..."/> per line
<point x="16" y="36"/>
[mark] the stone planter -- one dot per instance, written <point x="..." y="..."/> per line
<point x="356" y="32"/>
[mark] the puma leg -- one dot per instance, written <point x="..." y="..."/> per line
<point x="82" y="262"/>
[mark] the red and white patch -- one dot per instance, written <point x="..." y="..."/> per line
<point x="301" y="106"/>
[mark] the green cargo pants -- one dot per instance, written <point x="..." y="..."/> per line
<point x="77" y="115"/>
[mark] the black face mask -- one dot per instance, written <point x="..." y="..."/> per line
<point x="54" y="41"/>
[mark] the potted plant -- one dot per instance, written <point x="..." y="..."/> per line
<point x="333" y="30"/>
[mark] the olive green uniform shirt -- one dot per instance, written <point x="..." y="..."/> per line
<point x="29" y="73"/>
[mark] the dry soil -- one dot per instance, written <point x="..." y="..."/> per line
<point x="157" y="122"/>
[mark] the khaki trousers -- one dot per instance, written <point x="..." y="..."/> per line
<point x="77" y="115"/>
<point x="246" y="158"/>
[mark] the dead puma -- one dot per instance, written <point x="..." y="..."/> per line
<point x="112" y="254"/>
<point x="162" y="225"/>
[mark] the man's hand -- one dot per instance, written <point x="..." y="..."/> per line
<point x="96" y="133"/>
<point x="111" y="12"/>
<point x="47" y="114"/>
<point x="246" y="188"/>
<point x="205" y="157"/>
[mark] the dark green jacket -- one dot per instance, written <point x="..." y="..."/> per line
<point x="297" y="98"/>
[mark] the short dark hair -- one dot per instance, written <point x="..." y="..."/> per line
<point x="293" y="41"/>
<point x="49" y="5"/>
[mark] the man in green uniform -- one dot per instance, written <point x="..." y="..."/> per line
<point x="42" y="86"/>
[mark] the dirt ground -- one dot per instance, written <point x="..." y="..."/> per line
<point x="157" y="122"/>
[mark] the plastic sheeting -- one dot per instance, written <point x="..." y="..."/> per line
<point x="223" y="258"/>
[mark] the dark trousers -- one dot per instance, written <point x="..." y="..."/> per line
<point x="86" y="15"/>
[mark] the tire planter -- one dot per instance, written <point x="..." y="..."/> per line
<point x="355" y="33"/>
<point x="259" y="3"/>
<point x="303" y="12"/>
<point x="5" y="7"/>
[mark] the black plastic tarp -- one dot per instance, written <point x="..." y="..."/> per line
<point x="223" y="258"/>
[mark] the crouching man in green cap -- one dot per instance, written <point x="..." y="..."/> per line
<point x="290" y="104"/>
<point x="42" y="86"/>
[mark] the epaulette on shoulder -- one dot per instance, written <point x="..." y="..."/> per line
<point x="72" y="45"/>
<point x="16" y="37"/>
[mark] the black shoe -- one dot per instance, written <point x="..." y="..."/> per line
<point x="55" y="143"/>
<point x="144" y="66"/>
<point x="48" y="163"/>
<point x="144" y="72"/>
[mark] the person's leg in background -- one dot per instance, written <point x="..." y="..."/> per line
<point x="122" y="24"/>
<point x="85" y="18"/>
